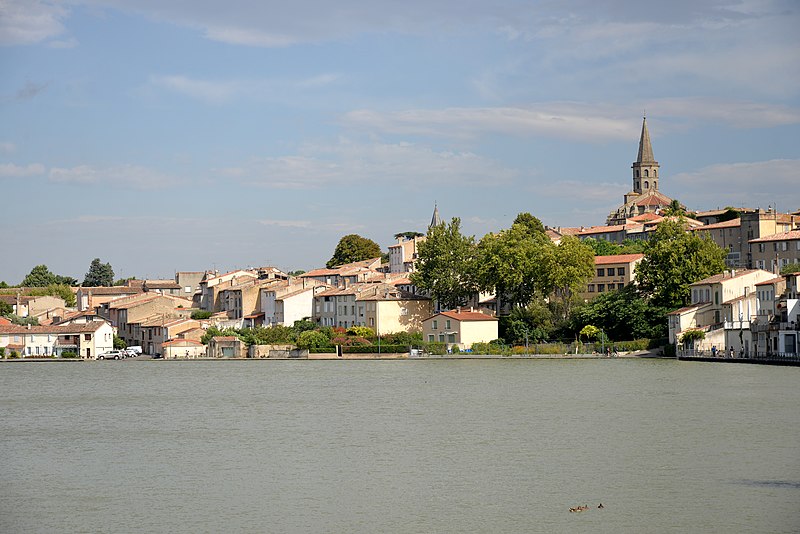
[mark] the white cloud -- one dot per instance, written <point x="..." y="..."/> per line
<point x="571" y="120"/>
<point x="401" y="165"/>
<point x="285" y="223"/>
<point x="7" y="147"/>
<point x="573" y="190"/>
<point x="10" y="170"/>
<point x="24" y="22"/>
<point x="132" y="176"/>
<point x="734" y="184"/>
<point x="557" y="119"/>
<point x="221" y="91"/>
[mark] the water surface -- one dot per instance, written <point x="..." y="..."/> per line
<point x="399" y="446"/>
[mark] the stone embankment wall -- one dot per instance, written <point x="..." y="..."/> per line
<point x="276" y="351"/>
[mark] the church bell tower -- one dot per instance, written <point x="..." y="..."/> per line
<point x="645" y="168"/>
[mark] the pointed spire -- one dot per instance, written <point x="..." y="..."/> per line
<point x="435" y="220"/>
<point x="645" y="148"/>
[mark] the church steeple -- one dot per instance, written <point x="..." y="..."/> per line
<point x="435" y="220"/>
<point x="645" y="168"/>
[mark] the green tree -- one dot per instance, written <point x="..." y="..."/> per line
<point x="119" y="343"/>
<point x="6" y="308"/>
<point x="100" y="274"/>
<point x="509" y="263"/>
<point x="602" y="247"/>
<point x="623" y="315"/>
<point x="445" y="265"/>
<point x="673" y="260"/>
<point x="675" y="209"/>
<point x="532" y="323"/>
<point x="530" y="222"/>
<point x="201" y="314"/>
<point x="297" y="272"/>
<point x="408" y="235"/>
<point x="569" y="267"/>
<point x="124" y="281"/>
<point x="3" y="284"/>
<point x="352" y="248"/>
<point x="40" y="276"/>
<point x="790" y="268"/>
<point x="214" y="331"/>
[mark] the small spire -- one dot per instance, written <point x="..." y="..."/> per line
<point x="435" y="220"/>
<point x="645" y="148"/>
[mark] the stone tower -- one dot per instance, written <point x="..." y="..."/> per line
<point x="645" y="168"/>
<point x="435" y="220"/>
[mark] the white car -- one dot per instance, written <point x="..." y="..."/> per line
<point x="110" y="355"/>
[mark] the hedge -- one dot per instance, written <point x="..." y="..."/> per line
<point x="374" y="349"/>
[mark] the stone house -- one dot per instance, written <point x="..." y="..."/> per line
<point x="612" y="273"/>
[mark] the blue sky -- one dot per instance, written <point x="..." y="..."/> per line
<point x="164" y="135"/>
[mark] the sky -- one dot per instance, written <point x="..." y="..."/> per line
<point x="178" y="135"/>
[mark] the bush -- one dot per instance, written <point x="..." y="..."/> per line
<point x="491" y="348"/>
<point x="69" y="354"/>
<point x="361" y="331"/>
<point x="201" y="314"/>
<point x="13" y="354"/>
<point x="312" y="339"/>
<point x="2" y="352"/>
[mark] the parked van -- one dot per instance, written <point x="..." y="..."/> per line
<point x="135" y="349"/>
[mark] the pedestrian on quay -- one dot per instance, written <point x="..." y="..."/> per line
<point x="714" y="351"/>
<point x="730" y="352"/>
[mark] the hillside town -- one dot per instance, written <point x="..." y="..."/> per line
<point x="748" y="309"/>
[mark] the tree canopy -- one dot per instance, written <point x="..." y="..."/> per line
<point x="100" y="274"/>
<point x="622" y="314"/>
<point x="446" y="264"/>
<point x="569" y="267"/>
<point x="40" y="276"/>
<point x="510" y="263"/>
<point x="533" y="224"/>
<point x="673" y="260"/>
<point x="352" y="248"/>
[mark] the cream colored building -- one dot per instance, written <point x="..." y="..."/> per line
<point x="612" y="273"/>
<point x="183" y="348"/>
<point x="462" y="328"/>
<point x="87" y="339"/>
<point x="723" y="306"/>
<point x="387" y="309"/>
<point x="403" y="254"/>
<point x="89" y="298"/>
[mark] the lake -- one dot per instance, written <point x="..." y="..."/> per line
<point x="418" y="446"/>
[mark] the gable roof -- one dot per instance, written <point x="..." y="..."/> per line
<point x="783" y="236"/>
<point x="464" y="315"/>
<point x="619" y="258"/>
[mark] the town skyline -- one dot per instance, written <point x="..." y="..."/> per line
<point x="161" y="138"/>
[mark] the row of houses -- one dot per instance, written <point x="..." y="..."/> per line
<point x="749" y="312"/>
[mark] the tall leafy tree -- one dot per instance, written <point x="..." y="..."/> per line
<point x="623" y="315"/>
<point x="446" y="264"/>
<point x="533" y="224"/>
<point x="40" y="276"/>
<point x="352" y="248"/>
<point x="673" y="260"/>
<point x="509" y="263"/>
<point x="569" y="267"/>
<point x="100" y="274"/>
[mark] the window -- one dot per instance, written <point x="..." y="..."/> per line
<point x="591" y="288"/>
<point x="601" y="272"/>
<point x="646" y="173"/>
<point x="87" y="337"/>
<point x="441" y="338"/>
<point x="447" y="324"/>
<point x="430" y="338"/>
<point x="716" y="297"/>
<point x="435" y="324"/>
<point x="761" y="247"/>
<point x="646" y="183"/>
<point x="451" y="338"/>
<point x="601" y="288"/>
<point x="620" y="271"/>
<point x="637" y="173"/>
<point x="620" y="286"/>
